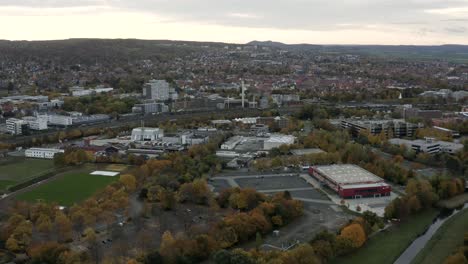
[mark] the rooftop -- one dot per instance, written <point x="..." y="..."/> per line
<point x="348" y="174"/>
<point x="302" y="152"/>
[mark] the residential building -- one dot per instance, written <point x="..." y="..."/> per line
<point x="147" y="134"/>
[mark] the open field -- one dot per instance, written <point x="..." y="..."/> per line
<point x="25" y="169"/>
<point x="387" y="246"/>
<point x="22" y="170"/>
<point x="447" y="239"/>
<point x="4" y="184"/>
<point x="69" y="188"/>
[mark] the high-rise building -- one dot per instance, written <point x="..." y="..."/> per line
<point x="156" y="90"/>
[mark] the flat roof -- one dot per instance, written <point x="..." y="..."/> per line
<point x="46" y="149"/>
<point x="301" y="152"/>
<point x="105" y="173"/>
<point x="365" y="185"/>
<point x="347" y="174"/>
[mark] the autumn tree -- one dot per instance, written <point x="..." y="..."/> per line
<point x="63" y="226"/>
<point x="128" y="181"/>
<point x="355" y="233"/>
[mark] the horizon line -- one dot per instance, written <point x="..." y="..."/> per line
<point x="232" y="43"/>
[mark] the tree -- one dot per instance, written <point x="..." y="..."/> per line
<point x="414" y="204"/>
<point x="64" y="226"/>
<point x="303" y="254"/>
<point x="44" y="224"/>
<point x="258" y="240"/>
<point x="47" y="253"/>
<point x="167" y="199"/>
<point x="91" y="238"/>
<point x="457" y="258"/>
<point x="12" y="244"/>
<point x="355" y="233"/>
<point x="128" y="181"/>
<point x="168" y="248"/>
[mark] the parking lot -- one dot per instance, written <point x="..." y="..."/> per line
<point x="271" y="183"/>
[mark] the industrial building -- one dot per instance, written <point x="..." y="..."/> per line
<point x="42" y="153"/>
<point x="147" y="134"/>
<point x="231" y="143"/>
<point x="309" y="151"/>
<point x="276" y="140"/>
<point x="150" y="108"/>
<point x="408" y="111"/>
<point x="350" y="181"/>
<point x="398" y="127"/>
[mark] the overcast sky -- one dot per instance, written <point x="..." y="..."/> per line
<point x="425" y="22"/>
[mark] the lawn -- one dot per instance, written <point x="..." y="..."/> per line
<point x="447" y="239"/>
<point x="4" y="184"/>
<point x="387" y="246"/>
<point x="68" y="189"/>
<point x="25" y="169"/>
<point x="14" y="172"/>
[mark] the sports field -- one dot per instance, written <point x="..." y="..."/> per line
<point x="20" y="171"/>
<point x="70" y="188"/>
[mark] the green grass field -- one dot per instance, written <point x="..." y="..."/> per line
<point x="445" y="241"/>
<point x="387" y="246"/>
<point x="25" y="169"/>
<point x="15" y="172"/>
<point x="70" y="188"/>
<point x="4" y="184"/>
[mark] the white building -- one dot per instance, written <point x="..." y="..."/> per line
<point x="101" y="89"/>
<point x="156" y="90"/>
<point x="79" y="93"/>
<point x="36" y="123"/>
<point x="231" y="143"/>
<point x="276" y="140"/>
<point x="428" y="145"/>
<point x="59" y="120"/>
<point x="147" y="134"/>
<point x="16" y="126"/>
<point x="42" y="153"/>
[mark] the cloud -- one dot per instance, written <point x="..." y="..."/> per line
<point x="427" y="18"/>
<point x="456" y="29"/>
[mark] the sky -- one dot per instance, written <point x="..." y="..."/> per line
<point x="393" y="22"/>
